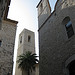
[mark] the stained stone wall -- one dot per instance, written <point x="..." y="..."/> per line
<point x="7" y="38"/>
<point x="54" y="45"/>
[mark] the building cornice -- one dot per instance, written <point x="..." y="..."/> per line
<point x="9" y="21"/>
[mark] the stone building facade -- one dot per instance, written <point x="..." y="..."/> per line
<point x="7" y="42"/>
<point x="57" y="38"/>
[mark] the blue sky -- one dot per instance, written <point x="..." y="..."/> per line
<point x="52" y="4"/>
<point x="25" y="12"/>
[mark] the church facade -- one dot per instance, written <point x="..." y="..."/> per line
<point x="56" y="38"/>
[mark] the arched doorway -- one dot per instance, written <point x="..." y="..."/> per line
<point x="70" y="65"/>
<point x="71" y="68"/>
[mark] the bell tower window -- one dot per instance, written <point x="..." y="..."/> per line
<point x="29" y="38"/>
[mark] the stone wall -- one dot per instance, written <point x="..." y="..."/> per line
<point x="7" y="36"/>
<point x="55" y="46"/>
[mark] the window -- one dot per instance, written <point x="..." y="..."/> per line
<point x="29" y="38"/>
<point x="68" y="25"/>
<point x="0" y="43"/>
<point x="69" y="29"/>
<point x="20" y="39"/>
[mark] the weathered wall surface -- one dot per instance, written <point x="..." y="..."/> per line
<point x="55" y="47"/>
<point x="7" y="36"/>
<point x="44" y="10"/>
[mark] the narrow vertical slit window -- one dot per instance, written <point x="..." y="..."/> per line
<point x="20" y="39"/>
<point x="0" y="43"/>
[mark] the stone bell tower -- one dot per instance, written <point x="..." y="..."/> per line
<point x="44" y="10"/>
<point x="26" y="43"/>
